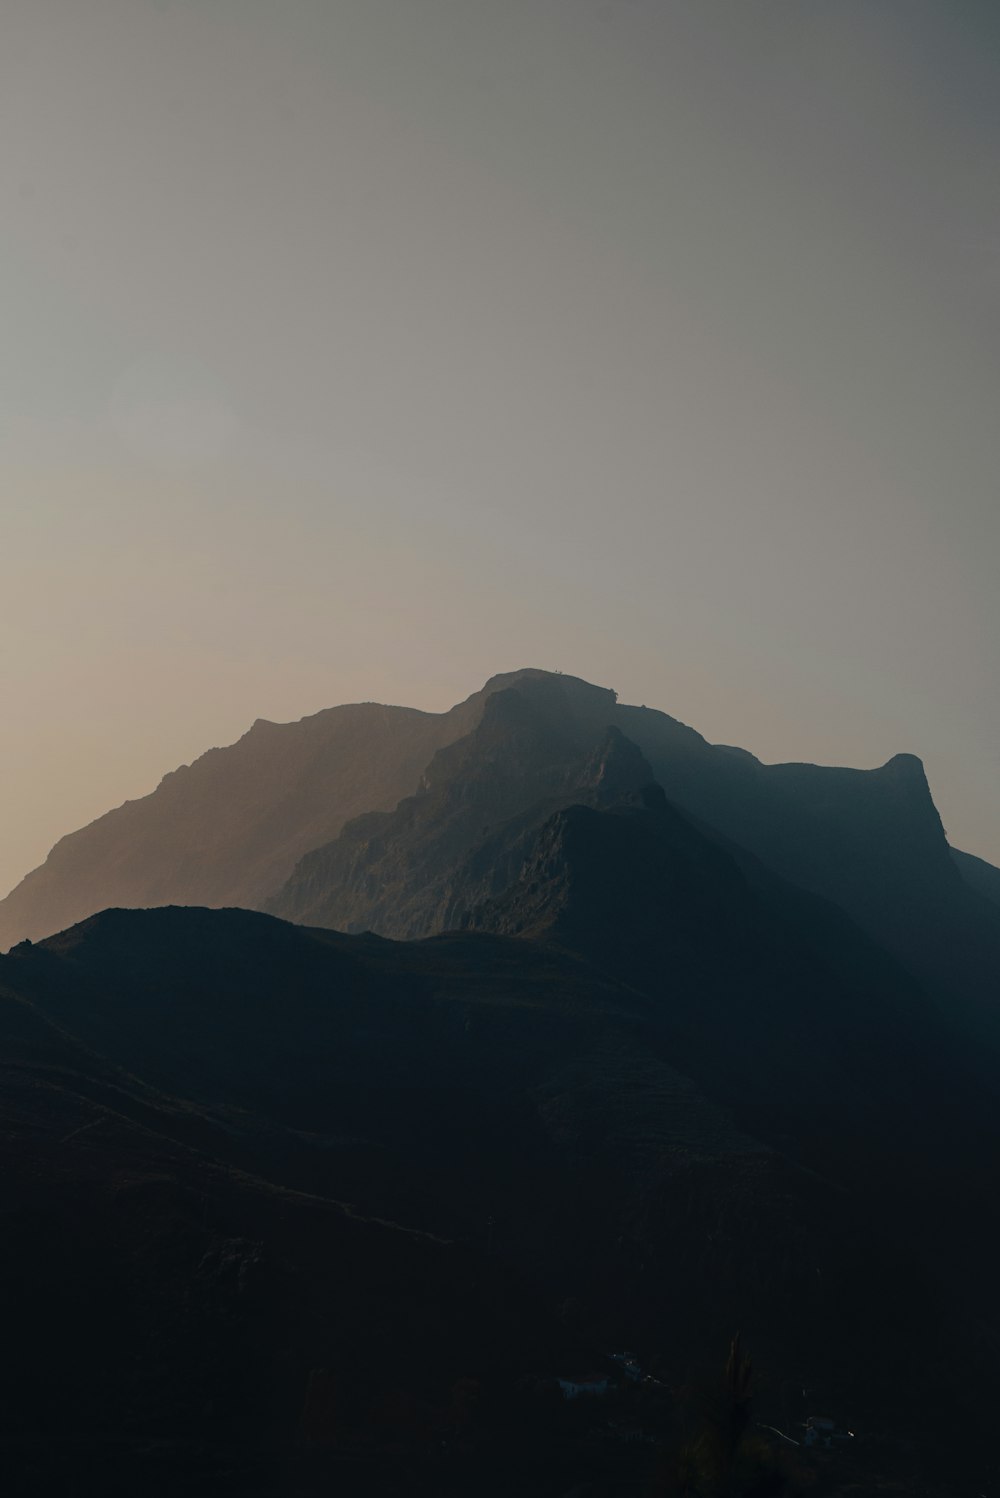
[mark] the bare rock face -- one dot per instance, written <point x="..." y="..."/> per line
<point x="539" y="745"/>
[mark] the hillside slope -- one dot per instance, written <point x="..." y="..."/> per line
<point x="229" y="828"/>
<point x="664" y="1109"/>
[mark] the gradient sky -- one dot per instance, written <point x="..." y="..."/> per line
<point x="362" y="348"/>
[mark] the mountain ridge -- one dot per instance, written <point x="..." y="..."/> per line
<point x="257" y="823"/>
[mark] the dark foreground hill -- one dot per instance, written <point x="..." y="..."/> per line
<point x="288" y="1211"/>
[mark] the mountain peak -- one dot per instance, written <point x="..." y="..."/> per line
<point x="909" y="765"/>
<point x="502" y="679"/>
<point x="582" y="700"/>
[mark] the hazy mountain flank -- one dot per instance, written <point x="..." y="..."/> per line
<point x="229" y="828"/>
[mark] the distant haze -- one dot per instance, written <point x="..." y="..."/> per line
<point x="360" y="349"/>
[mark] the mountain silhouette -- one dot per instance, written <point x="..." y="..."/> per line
<point x="870" y="841"/>
<point x="402" y="822"/>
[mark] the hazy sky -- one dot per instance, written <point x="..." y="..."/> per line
<point x="362" y="348"/>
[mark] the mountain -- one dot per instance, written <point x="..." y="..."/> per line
<point x="402" y="822"/>
<point x="870" y="841"/>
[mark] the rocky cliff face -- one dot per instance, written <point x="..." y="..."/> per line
<point x="463" y="835"/>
